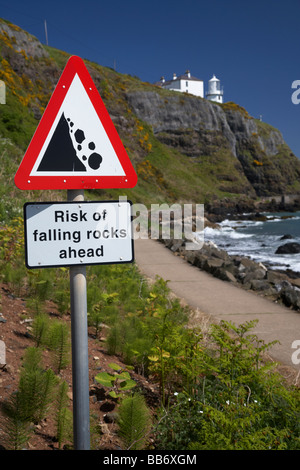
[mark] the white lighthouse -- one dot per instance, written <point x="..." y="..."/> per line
<point x="215" y="93"/>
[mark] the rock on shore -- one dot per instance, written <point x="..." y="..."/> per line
<point x="241" y="271"/>
<point x="288" y="248"/>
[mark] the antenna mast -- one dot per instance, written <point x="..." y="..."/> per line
<point x="46" y="33"/>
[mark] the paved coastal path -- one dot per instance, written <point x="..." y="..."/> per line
<point x="222" y="300"/>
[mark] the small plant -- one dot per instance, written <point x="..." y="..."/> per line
<point x="103" y="307"/>
<point x="30" y="403"/>
<point x="59" y="344"/>
<point x="95" y="319"/>
<point x="36" y="387"/>
<point x="113" y="340"/>
<point x="16" y="430"/>
<point x="134" y="422"/>
<point x="117" y="382"/>
<point x="40" y="329"/>
<point x="63" y="416"/>
<point x="35" y="306"/>
<point x="62" y="300"/>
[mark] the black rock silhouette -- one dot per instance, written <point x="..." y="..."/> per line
<point x="79" y="136"/>
<point x="60" y="154"/>
<point x="95" y="161"/>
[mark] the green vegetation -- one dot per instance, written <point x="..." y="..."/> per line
<point x="134" y="422"/>
<point x="215" y="389"/>
<point x="117" y="382"/>
<point x="31" y="402"/>
<point x="63" y="415"/>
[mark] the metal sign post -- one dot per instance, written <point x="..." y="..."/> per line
<point x="80" y="362"/>
<point x="78" y="233"/>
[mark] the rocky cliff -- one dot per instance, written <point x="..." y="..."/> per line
<point x="198" y="127"/>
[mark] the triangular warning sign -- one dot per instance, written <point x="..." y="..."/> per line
<point x="75" y="145"/>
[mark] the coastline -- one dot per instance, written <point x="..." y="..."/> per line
<point x="278" y="285"/>
<point x="217" y="211"/>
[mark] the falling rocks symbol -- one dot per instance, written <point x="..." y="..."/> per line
<point x="71" y="155"/>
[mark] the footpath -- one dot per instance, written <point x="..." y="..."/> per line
<point x="221" y="300"/>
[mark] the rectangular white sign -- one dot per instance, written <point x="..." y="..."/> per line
<point x="78" y="233"/>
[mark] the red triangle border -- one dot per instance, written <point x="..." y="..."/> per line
<point x="23" y="180"/>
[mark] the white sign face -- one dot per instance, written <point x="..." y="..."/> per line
<point x="89" y="151"/>
<point x="78" y="233"/>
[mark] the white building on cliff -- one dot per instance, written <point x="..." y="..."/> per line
<point x="186" y="83"/>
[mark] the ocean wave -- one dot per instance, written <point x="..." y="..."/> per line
<point x="241" y="223"/>
<point x="281" y="219"/>
<point x="224" y="232"/>
<point x="258" y="240"/>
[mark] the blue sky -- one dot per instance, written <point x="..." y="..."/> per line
<point x="252" y="47"/>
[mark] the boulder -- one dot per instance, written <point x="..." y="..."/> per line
<point x="210" y="250"/>
<point x="290" y="296"/>
<point x="286" y="237"/>
<point x="177" y="244"/>
<point x="276" y="277"/>
<point x="212" y="264"/>
<point x="247" y="264"/>
<point x="223" y="274"/>
<point x="190" y="256"/>
<point x="228" y="276"/>
<point x="254" y="275"/>
<point x="288" y="248"/>
<point x="262" y="285"/>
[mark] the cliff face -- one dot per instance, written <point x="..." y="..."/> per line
<point x="22" y="40"/>
<point x="196" y="126"/>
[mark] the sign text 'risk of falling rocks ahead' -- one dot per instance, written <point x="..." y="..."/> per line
<point x="78" y="233"/>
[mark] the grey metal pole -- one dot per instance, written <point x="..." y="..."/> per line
<point x="80" y="363"/>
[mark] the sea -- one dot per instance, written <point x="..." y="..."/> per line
<point x="259" y="239"/>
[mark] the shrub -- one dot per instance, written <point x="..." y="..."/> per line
<point x="237" y="401"/>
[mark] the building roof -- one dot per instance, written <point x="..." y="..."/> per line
<point x="185" y="76"/>
<point x="214" y="79"/>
